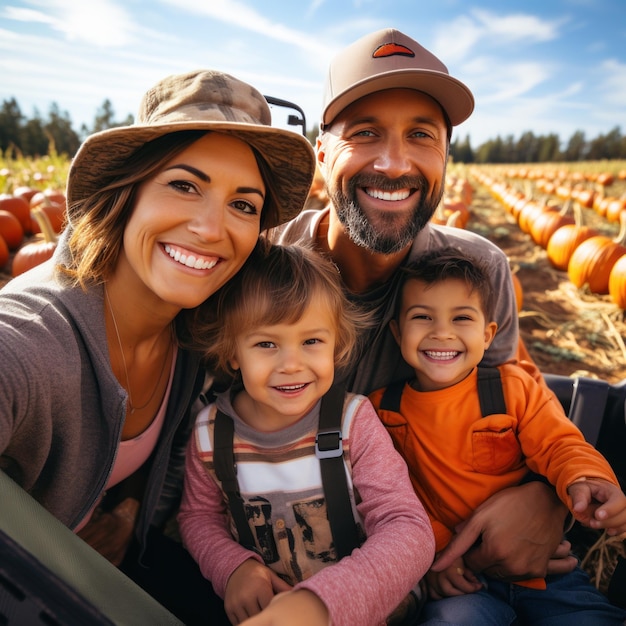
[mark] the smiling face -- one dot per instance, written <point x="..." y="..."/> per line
<point x="442" y="331"/>
<point x="195" y="222"/>
<point x="384" y="161"/>
<point x="286" y="368"/>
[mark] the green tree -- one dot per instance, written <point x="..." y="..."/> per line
<point x="11" y="121"/>
<point x="58" y="130"/>
<point x="576" y="147"/>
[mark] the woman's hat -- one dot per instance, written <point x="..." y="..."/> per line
<point x="200" y="100"/>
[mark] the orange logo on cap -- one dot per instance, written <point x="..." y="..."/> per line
<point x="389" y="49"/>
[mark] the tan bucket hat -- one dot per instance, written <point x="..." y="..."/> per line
<point x="199" y="100"/>
<point x="389" y="59"/>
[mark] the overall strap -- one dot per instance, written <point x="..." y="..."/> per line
<point x="392" y="396"/>
<point x="490" y="392"/>
<point x="329" y="451"/>
<point x="224" y="463"/>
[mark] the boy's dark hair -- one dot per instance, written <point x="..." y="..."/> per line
<point x="274" y="286"/>
<point x="449" y="263"/>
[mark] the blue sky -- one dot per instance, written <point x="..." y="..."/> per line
<point x="549" y="66"/>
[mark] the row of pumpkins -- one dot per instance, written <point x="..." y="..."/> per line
<point x="30" y="221"/>
<point x="591" y="259"/>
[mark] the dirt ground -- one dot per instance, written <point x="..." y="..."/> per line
<point x="567" y="331"/>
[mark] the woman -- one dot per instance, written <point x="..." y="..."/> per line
<point x="94" y="415"/>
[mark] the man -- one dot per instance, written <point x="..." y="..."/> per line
<point x="387" y="118"/>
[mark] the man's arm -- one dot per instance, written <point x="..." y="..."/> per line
<point x="516" y="534"/>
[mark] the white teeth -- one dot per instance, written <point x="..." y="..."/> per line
<point x="379" y="194"/>
<point x="290" y="387"/>
<point x="190" y="261"/>
<point x="441" y="356"/>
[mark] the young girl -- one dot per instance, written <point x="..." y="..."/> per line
<point x="281" y="328"/>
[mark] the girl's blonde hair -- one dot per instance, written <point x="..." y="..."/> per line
<point x="275" y="286"/>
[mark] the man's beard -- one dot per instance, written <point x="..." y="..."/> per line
<point x="395" y="232"/>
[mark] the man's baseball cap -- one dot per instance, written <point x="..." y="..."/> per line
<point x="389" y="59"/>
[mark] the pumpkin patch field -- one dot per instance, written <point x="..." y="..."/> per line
<point x="571" y="322"/>
<point x="562" y="226"/>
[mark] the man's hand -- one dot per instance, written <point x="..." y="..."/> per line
<point x="514" y="535"/>
<point x="251" y="588"/>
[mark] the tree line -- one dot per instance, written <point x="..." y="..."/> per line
<point x="38" y="135"/>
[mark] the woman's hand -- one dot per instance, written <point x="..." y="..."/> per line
<point x="110" y="532"/>
<point x="304" y="604"/>
<point x="250" y="588"/>
<point x="514" y="535"/>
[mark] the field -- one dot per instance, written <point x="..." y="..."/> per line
<point x="566" y="330"/>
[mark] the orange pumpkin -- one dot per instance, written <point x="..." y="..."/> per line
<point x="545" y="223"/>
<point x="19" y="207"/>
<point x="617" y="282"/>
<point x="37" y="251"/>
<point x="564" y="241"/>
<point x="4" y="252"/>
<point x="592" y="261"/>
<point x="11" y="230"/>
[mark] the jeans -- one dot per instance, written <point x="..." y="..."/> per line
<point x="569" y="600"/>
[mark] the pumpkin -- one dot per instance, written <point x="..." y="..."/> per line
<point x="545" y="223"/>
<point x="592" y="261"/>
<point x="19" y="207"/>
<point x="37" y="251"/>
<point x="614" y="207"/>
<point x="528" y="213"/>
<point x="566" y="239"/>
<point x="11" y="230"/>
<point x="4" y="252"/>
<point x="54" y="204"/>
<point x="25" y="192"/>
<point x="617" y="282"/>
<point x="452" y="212"/>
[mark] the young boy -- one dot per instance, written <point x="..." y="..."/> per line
<point x="458" y="457"/>
<point x="281" y="328"/>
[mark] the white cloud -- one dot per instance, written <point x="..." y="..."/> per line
<point x="614" y="84"/>
<point x="99" y="22"/>
<point x="517" y="26"/>
<point x="454" y="41"/>
<point x="245" y="17"/>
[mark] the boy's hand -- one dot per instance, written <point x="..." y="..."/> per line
<point x="250" y="588"/>
<point x="597" y="503"/>
<point x="456" y="580"/>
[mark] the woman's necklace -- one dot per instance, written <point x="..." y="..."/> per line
<point x="131" y="406"/>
